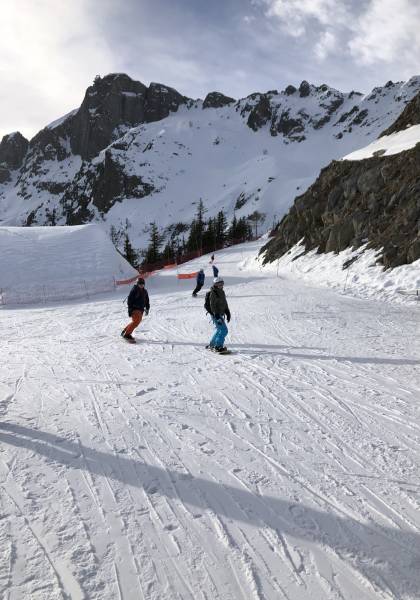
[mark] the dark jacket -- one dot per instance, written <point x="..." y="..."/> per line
<point x="200" y="278"/>
<point x="138" y="299"/>
<point x="218" y="302"/>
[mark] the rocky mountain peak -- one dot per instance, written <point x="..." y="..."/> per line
<point x="217" y="100"/>
<point x="117" y="100"/>
<point x="409" y="116"/>
<point x="13" y="148"/>
<point x="304" y="89"/>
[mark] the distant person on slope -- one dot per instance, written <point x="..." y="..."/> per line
<point x="215" y="270"/>
<point x="138" y="304"/>
<point x="216" y="301"/>
<point x="200" y="282"/>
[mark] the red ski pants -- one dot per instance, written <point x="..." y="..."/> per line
<point x="136" y="317"/>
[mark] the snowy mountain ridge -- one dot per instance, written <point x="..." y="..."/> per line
<point x="132" y="154"/>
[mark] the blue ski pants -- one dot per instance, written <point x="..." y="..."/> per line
<point x="218" y="339"/>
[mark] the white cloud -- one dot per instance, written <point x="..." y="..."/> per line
<point x="50" y="52"/>
<point x="295" y="15"/>
<point x="388" y="31"/>
<point x="327" y="44"/>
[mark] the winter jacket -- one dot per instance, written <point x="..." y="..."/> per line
<point x="218" y="302"/>
<point x="200" y="278"/>
<point x="138" y="299"/>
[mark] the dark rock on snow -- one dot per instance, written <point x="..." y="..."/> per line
<point x="216" y="100"/>
<point x="376" y="200"/>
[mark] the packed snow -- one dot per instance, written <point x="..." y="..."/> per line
<point x="50" y="263"/>
<point x="286" y="470"/>
<point x="388" y="144"/>
<point x="357" y="272"/>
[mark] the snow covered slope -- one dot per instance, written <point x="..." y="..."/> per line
<point x="48" y="263"/>
<point x="288" y="470"/>
<point x="388" y="144"/>
<point x="254" y="154"/>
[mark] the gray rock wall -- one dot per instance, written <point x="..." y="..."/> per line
<point x="376" y="200"/>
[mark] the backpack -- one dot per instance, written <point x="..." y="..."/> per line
<point x="207" y="306"/>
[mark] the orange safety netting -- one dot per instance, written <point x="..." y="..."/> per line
<point x="187" y="275"/>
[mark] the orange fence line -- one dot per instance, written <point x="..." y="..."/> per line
<point x="187" y="275"/>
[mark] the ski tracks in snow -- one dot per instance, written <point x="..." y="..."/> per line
<point x="288" y="469"/>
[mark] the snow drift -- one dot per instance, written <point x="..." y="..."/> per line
<point x="57" y="263"/>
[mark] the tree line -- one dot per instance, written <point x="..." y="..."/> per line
<point x="201" y="236"/>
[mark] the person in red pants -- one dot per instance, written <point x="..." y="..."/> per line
<point x="138" y="304"/>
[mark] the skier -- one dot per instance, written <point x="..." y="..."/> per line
<point x="200" y="282"/>
<point x="215" y="270"/>
<point x="217" y="303"/>
<point x="138" y="303"/>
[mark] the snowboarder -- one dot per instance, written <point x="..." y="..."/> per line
<point x="200" y="282"/>
<point x="138" y="304"/>
<point x="218" y="305"/>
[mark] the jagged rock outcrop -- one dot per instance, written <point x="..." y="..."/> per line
<point x="409" y="116"/>
<point x="374" y="201"/>
<point x="260" y="113"/>
<point x="97" y="187"/>
<point x="117" y="100"/>
<point x="216" y="100"/>
<point x="13" y="148"/>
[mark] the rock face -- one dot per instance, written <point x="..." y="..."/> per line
<point x="113" y="150"/>
<point x="409" y="116"/>
<point x="216" y="100"/>
<point x="13" y="148"/>
<point x="376" y="200"/>
<point x="117" y="100"/>
<point x="97" y="187"/>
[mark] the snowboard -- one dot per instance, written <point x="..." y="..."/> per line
<point x="214" y="351"/>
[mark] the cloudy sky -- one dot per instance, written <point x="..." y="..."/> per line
<point x="51" y="50"/>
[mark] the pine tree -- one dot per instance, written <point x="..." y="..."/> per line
<point x="129" y="252"/>
<point x="232" y="232"/>
<point x="220" y="229"/>
<point x="256" y="217"/>
<point x="209" y="236"/>
<point x="155" y="241"/>
<point x="195" y="239"/>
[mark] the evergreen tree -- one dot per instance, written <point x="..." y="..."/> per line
<point x="209" y="236"/>
<point x="155" y="241"/>
<point x="169" y="251"/>
<point x="256" y="217"/>
<point x="220" y="228"/>
<point x="232" y="232"/>
<point x="129" y="252"/>
<point x="195" y="239"/>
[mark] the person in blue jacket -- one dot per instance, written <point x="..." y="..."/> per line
<point x="199" y="282"/>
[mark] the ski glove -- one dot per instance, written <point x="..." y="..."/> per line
<point x="228" y="315"/>
<point x="146" y="312"/>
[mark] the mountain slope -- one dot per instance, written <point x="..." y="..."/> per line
<point x="149" y="154"/>
<point x="368" y="199"/>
